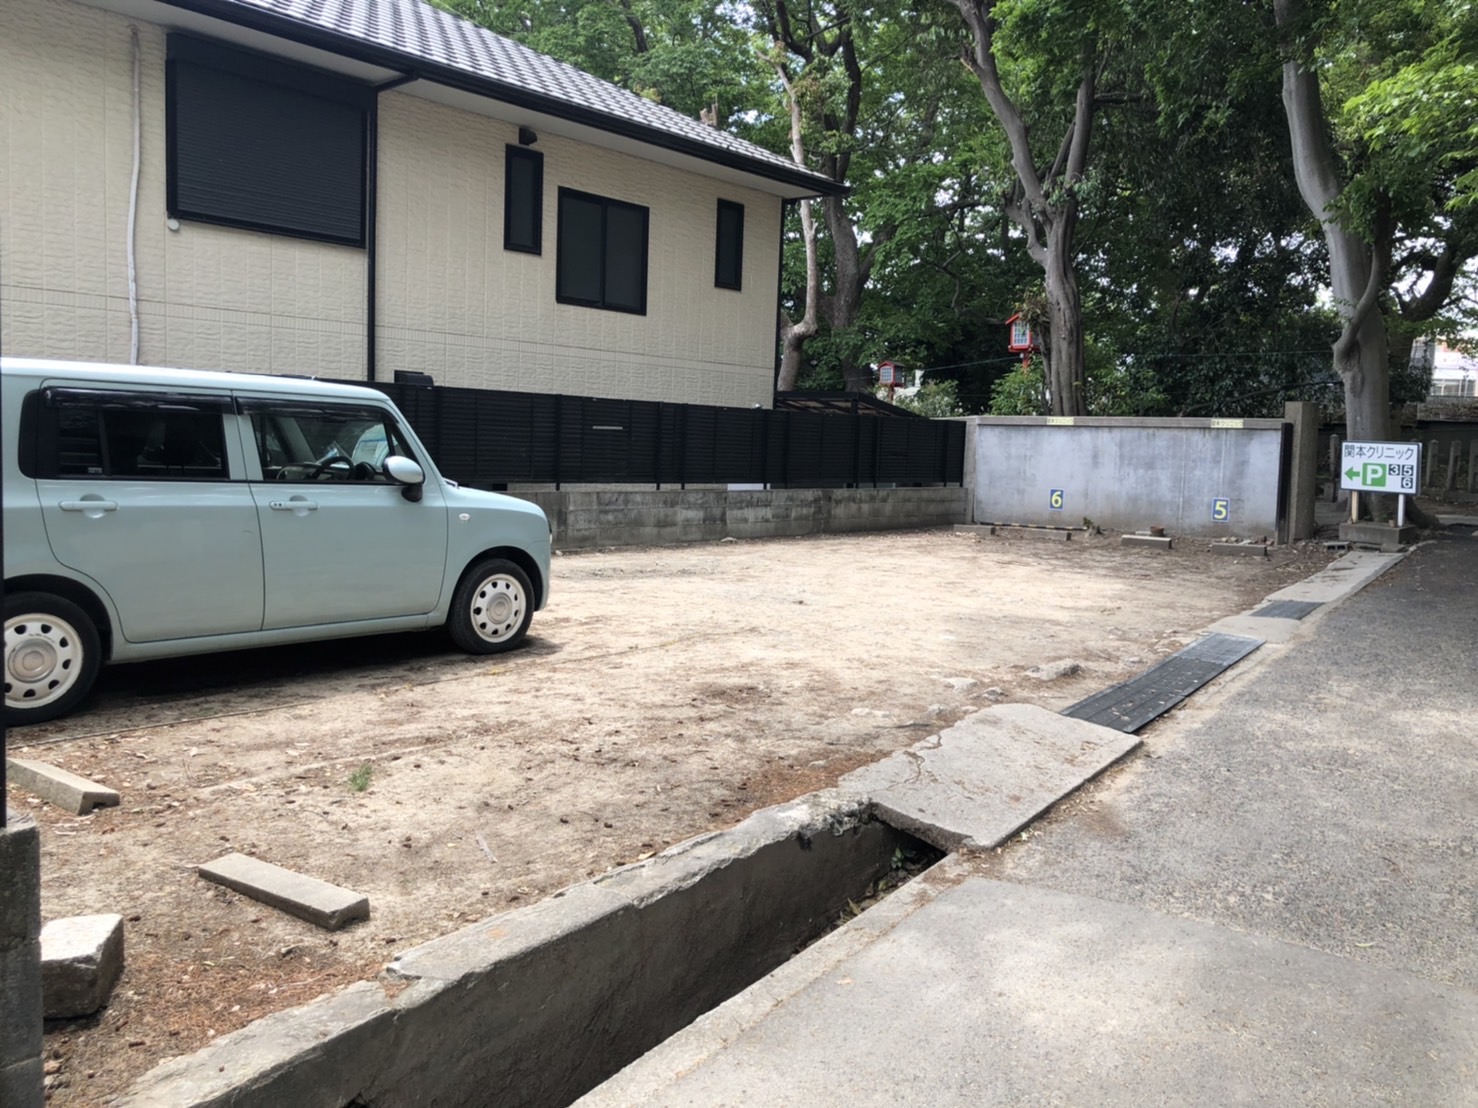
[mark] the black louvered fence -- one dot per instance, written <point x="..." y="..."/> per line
<point x="492" y="437"/>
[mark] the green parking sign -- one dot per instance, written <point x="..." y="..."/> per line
<point x="1380" y="467"/>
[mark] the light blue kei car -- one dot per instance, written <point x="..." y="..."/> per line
<point x="155" y="513"/>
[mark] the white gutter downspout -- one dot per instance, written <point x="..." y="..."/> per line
<point x="133" y="205"/>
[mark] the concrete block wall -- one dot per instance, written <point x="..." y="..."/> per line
<point x="20" y="963"/>
<point x="586" y="519"/>
<point x="1214" y="477"/>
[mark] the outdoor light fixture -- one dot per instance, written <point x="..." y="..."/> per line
<point x="526" y="136"/>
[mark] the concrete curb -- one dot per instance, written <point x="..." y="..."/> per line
<point x="57" y="786"/>
<point x="320" y="903"/>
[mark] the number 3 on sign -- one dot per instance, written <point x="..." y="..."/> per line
<point x="1055" y="499"/>
<point x="1221" y="510"/>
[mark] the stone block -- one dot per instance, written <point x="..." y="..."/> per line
<point x="57" y="786"/>
<point x="20" y="962"/>
<point x="1240" y="549"/>
<point x="1147" y="542"/>
<point x="1387" y="536"/>
<point x="81" y="958"/>
<point x="20" y="862"/>
<point x="320" y="903"/>
<point x="20" y="1083"/>
<point x="20" y="996"/>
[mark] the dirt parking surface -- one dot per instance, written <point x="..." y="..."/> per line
<point x="665" y="692"/>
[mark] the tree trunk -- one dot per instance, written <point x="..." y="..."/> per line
<point x="793" y="335"/>
<point x="1357" y="268"/>
<point x="1046" y="204"/>
<point x="846" y="299"/>
<point x="1065" y="361"/>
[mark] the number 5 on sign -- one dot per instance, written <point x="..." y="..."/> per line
<point x="1055" y="499"/>
<point x="1221" y="510"/>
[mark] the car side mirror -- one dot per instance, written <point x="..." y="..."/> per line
<point x="407" y="474"/>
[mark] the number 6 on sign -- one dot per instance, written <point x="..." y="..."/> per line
<point x="1055" y="499"/>
<point x="1221" y="510"/>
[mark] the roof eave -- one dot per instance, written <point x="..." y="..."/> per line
<point x="321" y="38"/>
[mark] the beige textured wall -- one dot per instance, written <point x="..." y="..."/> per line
<point x="209" y="297"/>
<point x="451" y="300"/>
<point x="455" y="304"/>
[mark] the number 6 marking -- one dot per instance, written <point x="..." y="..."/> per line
<point x="1054" y="501"/>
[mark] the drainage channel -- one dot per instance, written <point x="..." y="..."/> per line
<point x="538" y="1006"/>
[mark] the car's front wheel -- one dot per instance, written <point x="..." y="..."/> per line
<point x="492" y="607"/>
<point x="52" y="656"/>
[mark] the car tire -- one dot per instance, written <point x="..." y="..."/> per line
<point x="492" y="607"/>
<point x="52" y="657"/>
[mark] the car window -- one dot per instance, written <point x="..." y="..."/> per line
<point x="302" y="443"/>
<point x="89" y="434"/>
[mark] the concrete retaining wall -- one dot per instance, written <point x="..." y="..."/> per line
<point x="584" y="519"/>
<point x="20" y="963"/>
<point x="537" y="1006"/>
<point x="1216" y="477"/>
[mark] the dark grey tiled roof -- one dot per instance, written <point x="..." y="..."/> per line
<point x="414" y="36"/>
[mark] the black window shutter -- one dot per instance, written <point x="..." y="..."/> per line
<point x="257" y="143"/>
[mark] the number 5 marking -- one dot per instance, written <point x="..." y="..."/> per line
<point x="1221" y="510"/>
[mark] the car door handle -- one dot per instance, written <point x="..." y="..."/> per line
<point x="88" y="505"/>
<point x="296" y="504"/>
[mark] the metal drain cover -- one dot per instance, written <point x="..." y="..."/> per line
<point x="1288" y="609"/>
<point x="1131" y="704"/>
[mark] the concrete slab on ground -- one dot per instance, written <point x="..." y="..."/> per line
<point x="975" y="784"/>
<point x="1340" y="578"/>
<point x="57" y="786"/>
<point x="1000" y="994"/>
<point x="1149" y="542"/>
<point x="328" y="906"/>
<point x="1269" y="629"/>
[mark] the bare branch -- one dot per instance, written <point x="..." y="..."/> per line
<point x="1445" y="268"/>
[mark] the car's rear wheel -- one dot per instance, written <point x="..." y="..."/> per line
<point x="52" y="656"/>
<point x="492" y="607"/>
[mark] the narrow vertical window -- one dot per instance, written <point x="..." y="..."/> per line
<point x="728" y="268"/>
<point x="523" y="200"/>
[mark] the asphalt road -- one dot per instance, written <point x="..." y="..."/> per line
<point x="1329" y="799"/>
